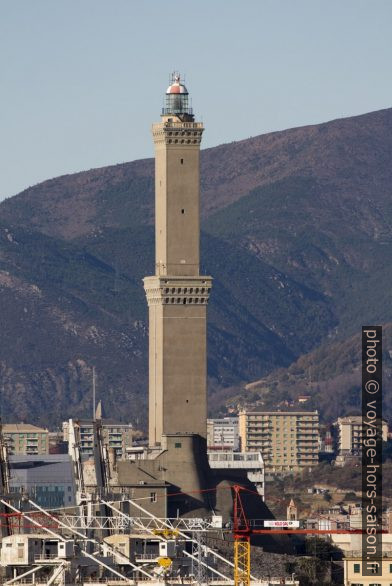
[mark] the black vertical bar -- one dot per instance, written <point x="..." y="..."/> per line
<point x="371" y="451"/>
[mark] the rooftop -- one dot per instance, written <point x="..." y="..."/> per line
<point x="353" y="419"/>
<point x="176" y="87"/>
<point x="106" y="422"/>
<point x="22" y="428"/>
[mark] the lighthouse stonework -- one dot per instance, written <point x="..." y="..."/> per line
<point x="177" y="294"/>
<point x="176" y="463"/>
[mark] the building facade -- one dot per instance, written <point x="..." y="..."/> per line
<point x="47" y="479"/>
<point x="288" y="441"/>
<point x="115" y="435"/>
<point x="177" y="294"/>
<point x="349" y="434"/>
<point x="222" y="434"/>
<point x="25" y="439"/>
<point x="353" y="576"/>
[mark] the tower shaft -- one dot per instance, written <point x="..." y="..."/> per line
<point x="177" y="223"/>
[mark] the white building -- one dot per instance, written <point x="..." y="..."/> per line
<point x="33" y="548"/>
<point x="222" y="434"/>
<point x="349" y="434"/>
<point x="252" y="462"/>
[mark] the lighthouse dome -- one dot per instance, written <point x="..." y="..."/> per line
<point x="176" y="87"/>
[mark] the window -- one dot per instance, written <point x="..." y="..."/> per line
<point x="182" y="161"/>
<point x="357" y="568"/>
<point x="153" y="497"/>
<point x="177" y="445"/>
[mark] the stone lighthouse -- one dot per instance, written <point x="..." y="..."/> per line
<point x="177" y="294"/>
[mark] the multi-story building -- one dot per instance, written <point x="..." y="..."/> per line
<point x="349" y="434"/>
<point x="222" y="434"/>
<point x="25" y="439"/>
<point x="115" y="435"/>
<point x="288" y="440"/>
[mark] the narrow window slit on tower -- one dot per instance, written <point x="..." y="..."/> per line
<point x="182" y="161"/>
<point x="183" y="211"/>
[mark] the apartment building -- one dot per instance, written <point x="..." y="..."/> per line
<point x="115" y="435"/>
<point x="288" y="440"/>
<point x="222" y="434"/>
<point x="25" y="439"/>
<point x="349" y="434"/>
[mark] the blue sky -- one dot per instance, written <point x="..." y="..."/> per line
<point x="82" y="81"/>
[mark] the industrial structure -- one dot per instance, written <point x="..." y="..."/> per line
<point x="102" y="540"/>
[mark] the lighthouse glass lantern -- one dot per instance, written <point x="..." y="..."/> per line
<point x="177" y="99"/>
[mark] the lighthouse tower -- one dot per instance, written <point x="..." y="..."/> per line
<point x="177" y="294"/>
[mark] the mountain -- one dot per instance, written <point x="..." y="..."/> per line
<point x="296" y="233"/>
<point x="331" y="376"/>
